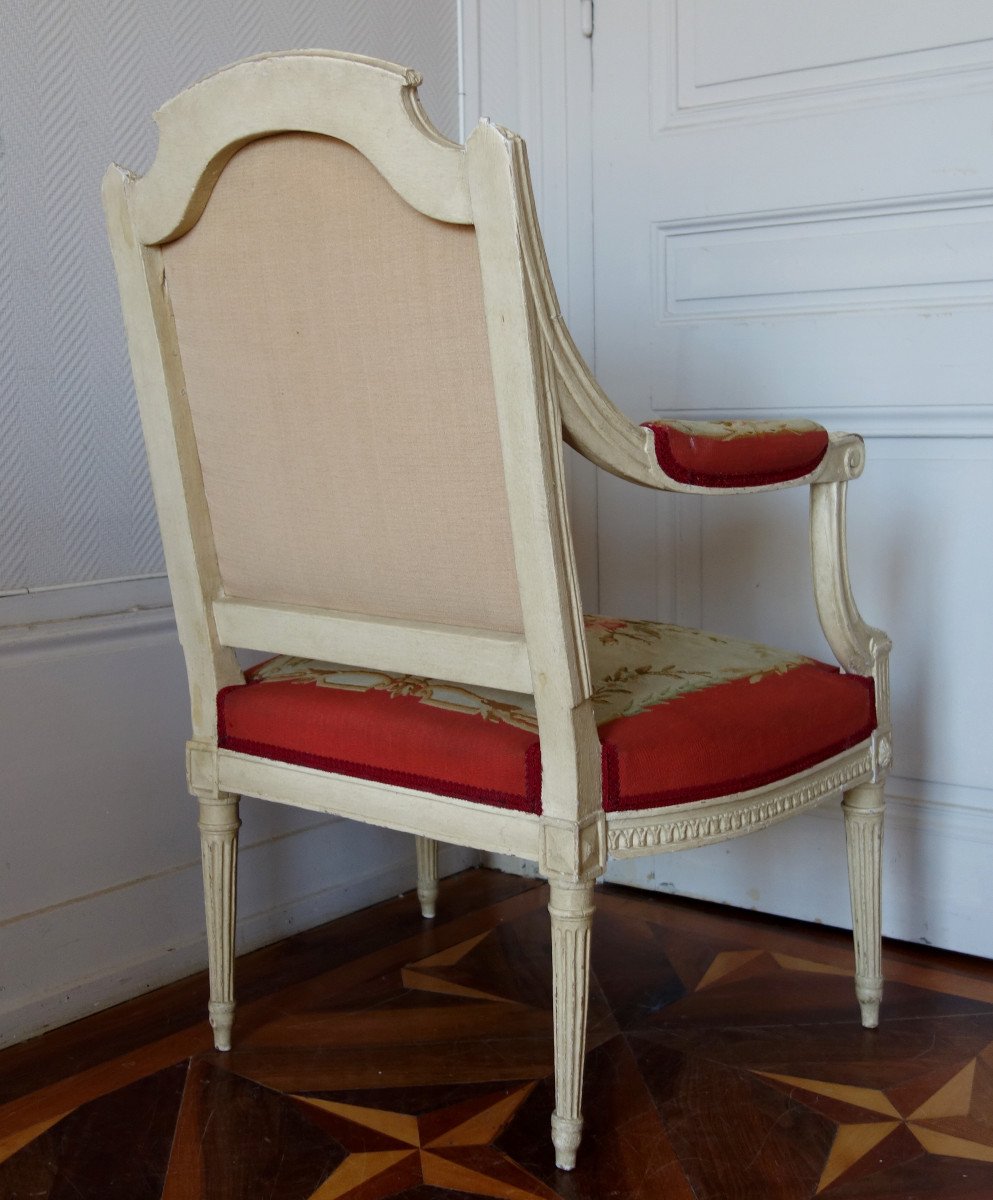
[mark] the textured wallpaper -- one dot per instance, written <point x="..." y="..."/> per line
<point x="79" y="81"/>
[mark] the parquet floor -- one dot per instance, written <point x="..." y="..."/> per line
<point x="382" y="1057"/>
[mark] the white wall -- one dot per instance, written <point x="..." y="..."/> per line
<point x="99" y="870"/>
<point x="99" y="895"/>
<point x="920" y="549"/>
<point x="921" y="568"/>
<point x="524" y="69"/>
<point x="78" y="85"/>
<point x="99" y="863"/>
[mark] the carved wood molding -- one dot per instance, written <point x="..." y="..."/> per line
<point x="683" y="827"/>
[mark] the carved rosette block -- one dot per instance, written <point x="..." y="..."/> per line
<point x="864" y="832"/>
<point x="219" y="825"/>
<point x="571" y="911"/>
<point x="427" y="874"/>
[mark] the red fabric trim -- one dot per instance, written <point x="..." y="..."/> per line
<point x="730" y="738"/>
<point x="727" y="738"/>
<point x="754" y="461"/>
<point x="339" y="766"/>
<point x="532" y="778"/>
<point x="384" y="738"/>
<point x="610" y="774"/>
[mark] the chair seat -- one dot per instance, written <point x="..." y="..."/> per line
<point x="682" y="715"/>
<point x="728" y="454"/>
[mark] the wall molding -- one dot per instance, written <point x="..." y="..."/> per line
<point x="64" y="602"/>
<point x="955" y="217"/>
<point x="900" y="76"/>
<point x="61" y="999"/>
<point x="921" y="421"/>
<point x="934" y="807"/>
<point x="843" y="263"/>
<point x="155" y="877"/>
<point x="20" y="645"/>
<point x="839" y="258"/>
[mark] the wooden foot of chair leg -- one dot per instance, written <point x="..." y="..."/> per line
<point x="221" y="1014"/>
<point x="567" y="1133"/>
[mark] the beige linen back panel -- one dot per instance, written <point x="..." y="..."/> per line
<point x="337" y="366"/>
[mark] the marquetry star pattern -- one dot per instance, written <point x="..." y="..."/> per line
<point x="877" y="1129"/>
<point x="437" y="973"/>
<point x="449" y="1148"/>
<point x="433" y="1077"/>
<point x="740" y="964"/>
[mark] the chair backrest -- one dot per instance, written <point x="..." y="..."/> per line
<point x="334" y="350"/>
<point x="354" y="444"/>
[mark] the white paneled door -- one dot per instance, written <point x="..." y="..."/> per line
<point x="787" y="192"/>
<point x="793" y="213"/>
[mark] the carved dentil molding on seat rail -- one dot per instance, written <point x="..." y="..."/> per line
<point x="632" y="834"/>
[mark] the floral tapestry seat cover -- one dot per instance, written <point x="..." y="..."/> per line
<point x="682" y="715"/>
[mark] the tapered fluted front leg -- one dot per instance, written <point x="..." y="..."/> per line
<point x="571" y="909"/>
<point x="427" y="874"/>
<point x="864" y="831"/>
<point x="219" y="853"/>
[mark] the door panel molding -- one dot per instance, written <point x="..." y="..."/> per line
<point x="936" y="253"/>
<point x="952" y="422"/>
<point x="805" y="61"/>
<point x="529" y="67"/>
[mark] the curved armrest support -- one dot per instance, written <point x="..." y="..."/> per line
<point x="595" y="427"/>
<point x="858" y="647"/>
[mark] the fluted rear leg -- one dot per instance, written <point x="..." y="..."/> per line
<point x="863" y="807"/>
<point x="219" y="854"/>
<point x="427" y="874"/>
<point x="571" y="909"/>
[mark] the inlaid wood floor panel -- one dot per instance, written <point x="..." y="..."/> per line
<point x="383" y="1057"/>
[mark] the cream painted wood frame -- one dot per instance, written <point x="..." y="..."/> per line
<point x="544" y="391"/>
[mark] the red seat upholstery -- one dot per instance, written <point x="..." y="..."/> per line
<point x="682" y="715"/>
<point x="738" y="453"/>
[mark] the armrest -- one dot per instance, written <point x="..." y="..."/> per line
<point x="666" y="455"/>
<point x="738" y="454"/>
<point x="720" y="458"/>
<point x="702" y="457"/>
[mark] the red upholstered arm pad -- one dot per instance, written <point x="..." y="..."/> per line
<point x="738" y="454"/>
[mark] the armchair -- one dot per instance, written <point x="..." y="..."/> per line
<point x="354" y="383"/>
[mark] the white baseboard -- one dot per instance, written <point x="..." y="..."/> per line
<point x="41" y="607"/>
<point x="936" y="868"/>
<point x="101" y="894"/>
<point x="135" y="938"/>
